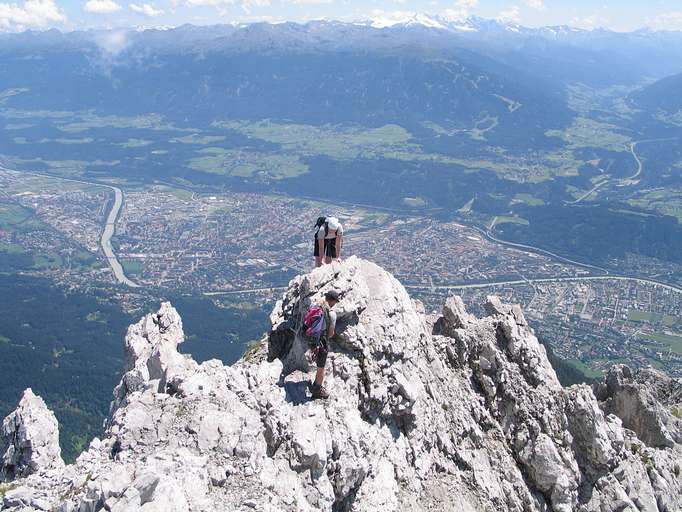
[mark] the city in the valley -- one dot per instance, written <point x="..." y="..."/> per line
<point x="242" y="248"/>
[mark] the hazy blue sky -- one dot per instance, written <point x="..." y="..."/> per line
<point x="74" y="14"/>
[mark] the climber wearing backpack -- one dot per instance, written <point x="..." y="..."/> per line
<point x="328" y="240"/>
<point x="319" y="327"/>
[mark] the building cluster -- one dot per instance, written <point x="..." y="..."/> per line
<point x="241" y="247"/>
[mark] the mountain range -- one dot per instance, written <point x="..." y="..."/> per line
<point x="634" y="54"/>
<point x="465" y="109"/>
<point x="456" y="74"/>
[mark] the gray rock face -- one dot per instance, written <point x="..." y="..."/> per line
<point x="641" y="402"/>
<point x="447" y="413"/>
<point x="30" y="439"/>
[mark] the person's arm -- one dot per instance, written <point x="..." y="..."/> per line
<point x="331" y="331"/>
<point x="339" y="244"/>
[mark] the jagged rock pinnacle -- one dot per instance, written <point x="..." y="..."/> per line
<point x="30" y="439"/>
<point x="450" y="412"/>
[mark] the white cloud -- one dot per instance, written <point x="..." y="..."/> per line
<point x="666" y="21"/>
<point x="536" y="4"/>
<point x="316" y="2"/>
<point x="101" y="6"/>
<point x="215" y="3"/>
<point x="591" y="22"/>
<point x="32" y="13"/>
<point x="461" y="10"/>
<point x="248" y="5"/>
<point x="511" y="15"/>
<point x="147" y="10"/>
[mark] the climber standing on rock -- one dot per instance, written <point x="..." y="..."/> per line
<point x="328" y="240"/>
<point x="320" y="322"/>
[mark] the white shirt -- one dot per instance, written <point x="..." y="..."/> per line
<point x="330" y="234"/>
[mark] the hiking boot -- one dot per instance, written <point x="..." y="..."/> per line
<point x="319" y="391"/>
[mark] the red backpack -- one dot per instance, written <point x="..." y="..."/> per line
<point x="314" y="322"/>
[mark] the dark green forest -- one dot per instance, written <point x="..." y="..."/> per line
<point x="69" y="348"/>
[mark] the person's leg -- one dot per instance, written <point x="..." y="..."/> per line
<point x="316" y="254"/>
<point x="330" y="250"/>
<point x="321" y="361"/>
<point x="318" y="390"/>
<point x="319" y="376"/>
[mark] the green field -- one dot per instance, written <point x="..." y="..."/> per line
<point x="673" y="342"/>
<point x="11" y="248"/>
<point x="180" y="193"/>
<point x="12" y="215"/>
<point x="505" y="219"/>
<point x="395" y="142"/>
<point x="528" y="199"/>
<point x="635" y="315"/>
<point x="245" y="164"/>
<point x="374" y="218"/>
<point x="47" y="261"/>
<point x="586" y="133"/>
<point x="134" y="143"/>
<point x="84" y="121"/>
<point x="132" y="267"/>
<point x="334" y="141"/>
<point x="665" y="201"/>
<point x="61" y="140"/>
<point x="478" y="132"/>
<point x="584" y="369"/>
<point x="85" y="259"/>
<point x="17" y="219"/>
<point x="195" y="138"/>
<point x="62" y="168"/>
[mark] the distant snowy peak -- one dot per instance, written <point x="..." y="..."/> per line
<point x="386" y="20"/>
<point x="470" y="24"/>
<point x="559" y="31"/>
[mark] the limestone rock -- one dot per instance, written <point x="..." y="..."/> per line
<point x="446" y="413"/>
<point x="596" y="441"/>
<point x="637" y="401"/>
<point x="30" y="439"/>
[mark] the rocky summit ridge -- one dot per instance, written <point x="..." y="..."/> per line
<point x="428" y="412"/>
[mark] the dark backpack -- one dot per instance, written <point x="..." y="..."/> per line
<point x="321" y="221"/>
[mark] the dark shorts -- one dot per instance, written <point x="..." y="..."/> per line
<point x="322" y="351"/>
<point x="329" y="248"/>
